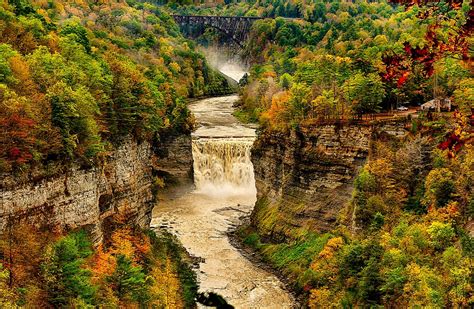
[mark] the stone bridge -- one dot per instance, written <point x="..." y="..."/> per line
<point x="236" y="28"/>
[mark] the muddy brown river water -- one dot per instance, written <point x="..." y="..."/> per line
<point x="224" y="193"/>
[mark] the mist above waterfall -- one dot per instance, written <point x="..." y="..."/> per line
<point x="226" y="61"/>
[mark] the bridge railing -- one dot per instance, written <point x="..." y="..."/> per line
<point x="218" y="16"/>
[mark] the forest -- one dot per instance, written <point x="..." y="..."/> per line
<point x="401" y="241"/>
<point x="330" y="60"/>
<point x="78" y="78"/>
<point x="44" y="269"/>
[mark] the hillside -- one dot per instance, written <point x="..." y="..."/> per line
<point x="86" y="89"/>
<point x="77" y="77"/>
<point x="357" y="209"/>
<point x="363" y="161"/>
<point x="355" y="214"/>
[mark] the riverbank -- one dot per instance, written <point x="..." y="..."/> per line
<point x="236" y="237"/>
<point x="224" y="193"/>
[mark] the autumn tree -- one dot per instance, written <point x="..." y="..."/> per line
<point x="439" y="187"/>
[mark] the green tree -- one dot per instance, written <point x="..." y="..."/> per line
<point x="441" y="234"/>
<point x="365" y="93"/>
<point x="289" y="35"/>
<point x="370" y="282"/>
<point x="73" y="112"/>
<point x="6" y="74"/>
<point x="286" y="80"/>
<point x="7" y="296"/>
<point x="63" y="270"/>
<point x="299" y="101"/>
<point x="365" y="212"/>
<point x="22" y="7"/>
<point x="130" y="282"/>
<point x="78" y="33"/>
<point x="365" y="182"/>
<point x="439" y="187"/>
<point x="464" y="96"/>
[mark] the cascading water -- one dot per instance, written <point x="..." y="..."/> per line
<point x="223" y="167"/>
<point x="225" y="191"/>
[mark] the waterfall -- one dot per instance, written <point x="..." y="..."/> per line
<point x="222" y="166"/>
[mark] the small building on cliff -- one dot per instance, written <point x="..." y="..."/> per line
<point x="438" y="105"/>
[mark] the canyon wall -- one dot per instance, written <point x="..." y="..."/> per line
<point x="304" y="178"/>
<point x="174" y="159"/>
<point x="93" y="198"/>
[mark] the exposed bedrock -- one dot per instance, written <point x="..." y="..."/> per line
<point x="90" y="198"/>
<point x="304" y="177"/>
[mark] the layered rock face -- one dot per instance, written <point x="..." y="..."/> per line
<point x="174" y="159"/>
<point x="305" y="178"/>
<point x="87" y="198"/>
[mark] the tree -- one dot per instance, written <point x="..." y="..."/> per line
<point x="321" y="298"/>
<point x="286" y="80"/>
<point x="166" y="285"/>
<point x="73" y="112"/>
<point x="63" y="270"/>
<point x="370" y="283"/>
<point x="78" y="33"/>
<point x="365" y="93"/>
<point x="441" y="234"/>
<point x="439" y="185"/>
<point x="365" y="213"/>
<point x="289" y="34"/>
<point x="464" y="96"/>
<point x="449" y="28"/>
<point x="299" y="102"/>
<point x="22" y="7"/>
<point x="129" y="282"/>
<point x="366" y="181"/>
<point x="458" y="274"/>
<point x="7" y="297"/>
<point x="423" y="287"/>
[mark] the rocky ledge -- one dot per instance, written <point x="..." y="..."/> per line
<point x="93" y="198"/>
<point x="304" y="177"/>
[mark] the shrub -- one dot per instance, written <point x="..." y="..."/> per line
<point x="441" y="234"/>
<point x="439" y="186"/>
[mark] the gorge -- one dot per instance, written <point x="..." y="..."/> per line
<point x="224" y="193"/>
<point x="236" y="154"/>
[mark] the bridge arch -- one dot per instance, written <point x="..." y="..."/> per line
<point x="236" y="28"/>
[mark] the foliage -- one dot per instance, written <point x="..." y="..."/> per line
<point x="439" y="187"/>
<point x="331" y="62"/>
<point x="62" y="269"/>
<point x="128" y="281"/>
<point x="365" y="93"/>
<point x="133" y="269"/>
<point x="386" y="253"/>
<point x="77" y="78"/>
<point x="356" y="57"/>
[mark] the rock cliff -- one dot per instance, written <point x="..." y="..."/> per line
<point x="90" y="198"/>
<point x="304" y="178"/>
<point x="174" y="159"/>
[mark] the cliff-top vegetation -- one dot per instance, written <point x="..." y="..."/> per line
<point x="76" y="77"/>
<point x="327" y="61"/>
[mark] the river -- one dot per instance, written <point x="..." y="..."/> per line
<point x="224" y="192"/>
